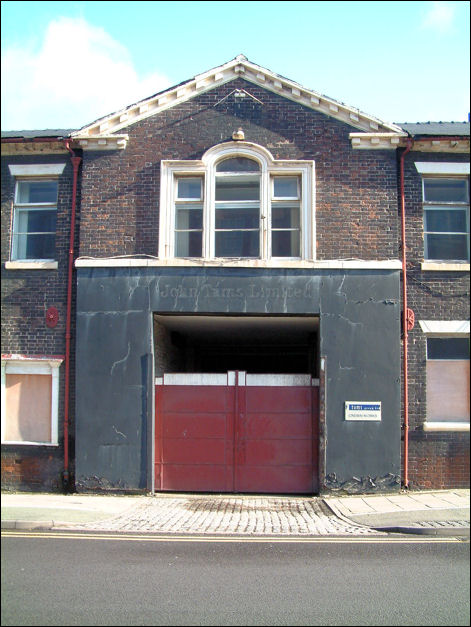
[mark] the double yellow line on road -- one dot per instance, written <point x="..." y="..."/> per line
<point x="265" y="539"/>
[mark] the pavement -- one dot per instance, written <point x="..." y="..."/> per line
<point x="439" y="513"/>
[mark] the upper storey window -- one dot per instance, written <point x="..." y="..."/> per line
<point x="237" y="203"/>
<point x="34" y="220"/>
<point x="189" y="217"/>
<point x="33" y="237"/>
<point x="446" y="218"/>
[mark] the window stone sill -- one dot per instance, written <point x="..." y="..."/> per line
<point x="25" y="443"/>
<point x="446" y="426"/>
<point x="444" y="266"/>
<point x="31" y="265"/>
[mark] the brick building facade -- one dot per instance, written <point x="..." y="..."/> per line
<point x="174" y="276"/>
<point x="439" y="457"/>
<point x="31" y="290"/>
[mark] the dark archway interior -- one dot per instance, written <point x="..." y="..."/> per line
<point x="255" y="344"/>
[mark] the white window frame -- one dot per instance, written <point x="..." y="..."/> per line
<point x="443" y="206"/>
<point x="445" y="329"/>
<point x="206" y="168"/>
<point x="32" y="365"/>
<point x="448" y="170"/>
<point x="25" y="173"/>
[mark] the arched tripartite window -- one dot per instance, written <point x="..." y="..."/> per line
<point x="237" y="203"/>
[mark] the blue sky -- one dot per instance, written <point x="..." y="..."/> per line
<point x="64" y="64"/>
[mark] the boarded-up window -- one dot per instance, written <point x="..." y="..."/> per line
<point x="30" y="400"/>
<point x="448" y="379"/>
<point x="28" y="408"/>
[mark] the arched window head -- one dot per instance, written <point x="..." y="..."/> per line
<point x="238" y="164"/>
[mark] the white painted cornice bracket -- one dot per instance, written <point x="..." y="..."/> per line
<point x="101" y="142"/>
<point x="378" y="141"/>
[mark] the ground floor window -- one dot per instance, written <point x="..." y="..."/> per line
<point x="447" y="377"/>
<point x="30" y="395"/>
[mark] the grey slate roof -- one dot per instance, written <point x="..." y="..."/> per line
<point x="422" y="129"/>
<point x="59" y="133"/>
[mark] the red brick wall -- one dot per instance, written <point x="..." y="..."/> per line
<point x="356" y="217"/>
<point x="26" y="296"/>
<point x="356" y="191"/>
<point x="436" y="460"/>
<point x="439" y="461"/>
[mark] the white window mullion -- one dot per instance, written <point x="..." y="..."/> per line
<point x="307" y="221"/>
<point x="172" y="182"/>
<point x="265" y="214"/>
<point x="209" y="214"/>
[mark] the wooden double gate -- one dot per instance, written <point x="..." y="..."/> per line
<point x="236" y="432"/>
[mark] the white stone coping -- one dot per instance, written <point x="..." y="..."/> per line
<point x="334" y="264"/>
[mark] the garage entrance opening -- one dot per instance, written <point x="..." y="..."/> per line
<point x="236" y="404"/>
<point x="254" y="344"/>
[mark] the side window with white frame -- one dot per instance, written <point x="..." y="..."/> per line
<point x="237" y="203"/>
<point x="33" y="235"/>
<point x="30" y="401"/>
<point x="446" y="218"/>
<point x="447" y="381"/>
<point x="286" y="217"/>
<point x="188" y="216"/>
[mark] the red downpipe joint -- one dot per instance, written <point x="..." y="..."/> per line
<point x="405" y="316"/>
<point x="75" y="164"/>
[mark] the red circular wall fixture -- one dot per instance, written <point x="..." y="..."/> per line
<point x="410" y="319"/>
<point x="52" y="317"/>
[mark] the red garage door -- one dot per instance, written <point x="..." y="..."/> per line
<point x="236" y="433"/>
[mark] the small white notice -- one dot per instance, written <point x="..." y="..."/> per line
<point x="360" y="410"/>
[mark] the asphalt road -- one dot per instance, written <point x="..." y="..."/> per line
<point x="50" y="580"/>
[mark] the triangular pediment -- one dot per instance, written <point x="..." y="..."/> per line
<point x="112" y="128"/>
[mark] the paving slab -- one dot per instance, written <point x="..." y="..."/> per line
<point x="430" y="500"/>
<point x="408" y="504"/>
<point x="459" y="500"/>
<point x="382" y="504"/>
<point x="68" y="508"/>
<point x="256" y="515"/>
<point x="352" y="505"/>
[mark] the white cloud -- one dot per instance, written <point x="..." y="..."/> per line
<point x="440" y="17"/>
<point x="78" y="74"/>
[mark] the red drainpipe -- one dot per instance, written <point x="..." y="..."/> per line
<point x="405" y="317"/>
<point x="75" y="164"/>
